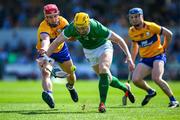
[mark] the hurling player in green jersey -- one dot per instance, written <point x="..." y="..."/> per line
<point x="96" y="41"/>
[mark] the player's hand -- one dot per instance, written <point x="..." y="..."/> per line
<point x="41" y="52"/>
<point x="131" y="64"/>
<point x="44" y="60"/>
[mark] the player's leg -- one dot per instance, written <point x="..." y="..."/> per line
<point x="116" y="83"/>
<point x="104" y="73"/>
<point x="104" y="67"/>
<point x="100" y="59"/>
<point x="68" y="67"/>
<point x="101" y="81"/>
<point x="46" y="81"/>
<point x="157" y="73"/>
<point x="47" y="84"/>
<point x="139" y="73"/>
<point x="64" y="59"/>
<point x="104" y="77"/>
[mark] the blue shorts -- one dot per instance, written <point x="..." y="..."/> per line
<point x="149" y="61"/>
<point x="61" y="56"/>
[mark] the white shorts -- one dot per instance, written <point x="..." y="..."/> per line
<point x="93" y="55"/>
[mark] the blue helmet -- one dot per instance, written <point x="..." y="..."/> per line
<point x="136" y="11"/>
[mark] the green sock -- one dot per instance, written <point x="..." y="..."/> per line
<point x="103" y="86"/>
<point x="117" y="84"/>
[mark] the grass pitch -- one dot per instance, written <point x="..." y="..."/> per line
<point x="22" y="101"/>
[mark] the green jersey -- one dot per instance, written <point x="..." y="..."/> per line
<point x="97" y="36"/>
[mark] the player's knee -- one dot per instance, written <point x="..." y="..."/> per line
<point x="136" y="79"/>
<point x="46" y="73"/>
<point x="156" y="78"/>
<point x="70" y="70"/>
<point x="103" y="68"/>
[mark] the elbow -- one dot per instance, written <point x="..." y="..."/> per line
<point x="167" y="33"/>
<point x="170" y="34"/>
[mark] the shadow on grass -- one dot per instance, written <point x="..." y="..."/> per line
<point x="119" y="107"/>
<point x="126" y="107"/>
<point x="52" y="111"/>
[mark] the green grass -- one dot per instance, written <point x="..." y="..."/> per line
<point x="22" y="101"/>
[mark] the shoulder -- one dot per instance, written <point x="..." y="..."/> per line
<point x="131" y="30"/>
<point x="62" y="19"/>
<point x="70" y="26"/>
<point x="153" y="27"/>
<point x="43" y="26"/>
<point x="151" y="24"/>
<point x="63" y="22"/>
<point x="94" y="22"/>
<point x="97" y="26"/>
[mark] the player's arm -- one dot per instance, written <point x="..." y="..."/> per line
<point x="167" y="37"/>
<point x="45" y="42"/>
<point x="120" y="41"/>
<point x="60" y="39"/>
<point x="134" y="50"/>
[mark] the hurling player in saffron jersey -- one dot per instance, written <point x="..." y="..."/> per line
<point x="48" y="30"/>
<point x="96" y="41"/>
<point x="145" y="38"/>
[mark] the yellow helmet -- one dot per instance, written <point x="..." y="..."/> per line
<point x="81" y="19"/>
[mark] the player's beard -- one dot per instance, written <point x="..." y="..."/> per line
<point x="54" y="24"/>
<point x="137" y="25"/>
<point x="84" y="33"/>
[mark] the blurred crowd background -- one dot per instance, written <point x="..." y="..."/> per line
<point x="19" y="20"/>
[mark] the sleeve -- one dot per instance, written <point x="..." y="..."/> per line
<point x="44" y="29"/>
<point x="156" y="28"/>
<point x="102" y="31"/>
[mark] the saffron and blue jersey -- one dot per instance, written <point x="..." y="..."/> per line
<point x="53" y="32"/>
<point x="61" y="53"/>
<point x="148" y="39"/>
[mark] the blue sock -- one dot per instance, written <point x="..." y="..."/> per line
<point x="150" y="91"/>
<point x="172" y="98"/>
